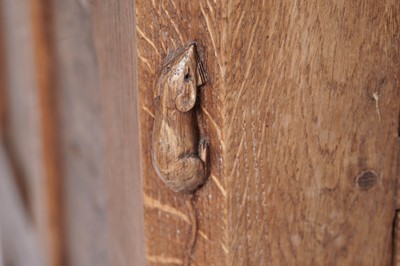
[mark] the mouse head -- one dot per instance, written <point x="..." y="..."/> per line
<point x="182" y="74"/>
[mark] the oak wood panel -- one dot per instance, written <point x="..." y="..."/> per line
<point x="303" y="101"/>
<point x="115" y="42"/>
<point x="329" y="83"/>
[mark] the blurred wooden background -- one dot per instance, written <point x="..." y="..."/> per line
<point x="69" y="146"/>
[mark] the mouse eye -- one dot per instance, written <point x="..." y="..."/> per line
<point x="167" y="69"/>
<point x="187" y="77"/>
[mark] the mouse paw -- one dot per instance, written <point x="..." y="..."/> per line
<point x="203" y="150"/>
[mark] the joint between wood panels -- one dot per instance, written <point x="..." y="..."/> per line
<point x="396" y="239"/>
<point x="396" y="219"/>
<point x="191" y="241"/>
<point x="397" y="179"/>
<point x="398" y="126"/>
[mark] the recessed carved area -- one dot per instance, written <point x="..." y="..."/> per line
<point x="398" y="126"/>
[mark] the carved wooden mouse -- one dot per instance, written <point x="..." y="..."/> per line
<point x="179" y="156"/>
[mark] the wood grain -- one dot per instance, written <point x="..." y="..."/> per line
<point x="303" y="100"/>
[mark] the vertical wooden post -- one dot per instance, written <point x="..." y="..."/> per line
<point x="42" y="29"/>
<point x="115" y="44"/>
<point x="302" y="116"/>
<point x="80" y="136"/>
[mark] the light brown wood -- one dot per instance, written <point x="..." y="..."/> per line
<point x="302" y="115"/>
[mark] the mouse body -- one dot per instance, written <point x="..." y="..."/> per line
<point x="178" y="155"/>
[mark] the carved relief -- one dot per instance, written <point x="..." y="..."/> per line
<point x="179" y="156"/>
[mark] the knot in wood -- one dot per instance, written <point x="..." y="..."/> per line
<point x="367" y="179"/>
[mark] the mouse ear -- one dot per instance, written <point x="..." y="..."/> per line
<point x="201" y="77"/>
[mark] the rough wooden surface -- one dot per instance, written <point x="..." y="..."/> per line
<point x="302" y="116"/>
<point x="115" y="43"/>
